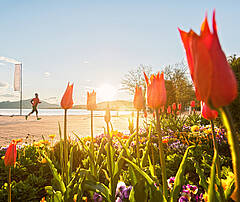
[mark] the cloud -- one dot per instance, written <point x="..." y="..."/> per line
<point x="85" y="62"/>
<point x="3" y="84"/>
<point x="10" y="60"/>
<point x="47" y="74"/>
<point x="2" y="64"/>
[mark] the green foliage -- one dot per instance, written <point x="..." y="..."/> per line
<point x="234" y="107"/>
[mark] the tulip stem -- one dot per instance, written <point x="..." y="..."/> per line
<point x="65" y="147"/>
<point x="162" y="158"/>
<point x="218" y="166"/>
<point x="110" y="160"/>
<point x="9" y="184"/>
<point x="216" y="150"/>
<point x="92" y="144"/>
<point x="137" y="139"/>
<point x="152" y="151"/>
<point x="234" y="146"/>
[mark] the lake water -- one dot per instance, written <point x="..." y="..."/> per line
<point x="55" y="112"/>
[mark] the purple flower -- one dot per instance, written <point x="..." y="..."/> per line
<point x="170" y="182"/>
<point x="182" y="199"/>
<point x="126" y="192"/>
<point x="192" y="188"/>
<point x="97" y="197"/>
<point x="122" y="192"/>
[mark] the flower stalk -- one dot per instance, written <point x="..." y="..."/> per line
<point x="161" y="154"/>
<point x="137" y="139"/>
<point x="9" y="185"/>
<point x="65" y="147"/>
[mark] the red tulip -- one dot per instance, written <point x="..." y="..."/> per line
<point x="179" y="106"/>
<point x="174" y="106"/>
<point x="11" y="154"/>
<point x="207" y="112"/>
<point x="177" y="112"/>
<point x="138" y="101"/>
<point x="91" y="100"/>
<point x="192" y="103"/>
<point x="67" y="101"/>
<point x="169" y="109"/>
<point x="156" y="91"/>
<point x="214" y="81"/>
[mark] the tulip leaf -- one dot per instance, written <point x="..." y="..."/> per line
<point x="89" y="185"/>
<point x="202" y="178"/>
<point x="156" y="194"/>
<point x="211" y="187"/>
<point x="57" y="196"/>
<point x="147" y="148"/>
<point x="228" y="192"/>
<point x="56" y="176"/>
<point x="138" y="192"/>
<point x="99" y="152"/>
<point x="179" y="177"/>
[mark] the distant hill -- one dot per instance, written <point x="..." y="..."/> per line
<point x="26" y="105"/>
<point x="113" y="105"/>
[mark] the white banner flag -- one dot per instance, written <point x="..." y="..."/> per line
<point x="17" y="77"/>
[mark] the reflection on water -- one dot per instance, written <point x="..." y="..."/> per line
<point x="51" y="112"/>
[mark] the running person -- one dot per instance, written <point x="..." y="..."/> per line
<point x="35" y="101"/>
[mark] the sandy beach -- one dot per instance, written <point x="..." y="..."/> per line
<point x="17" y="127"/>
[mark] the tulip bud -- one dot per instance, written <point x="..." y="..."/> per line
<point x="67" y="101"/>
<point x="214" y="81"/>
<point x="91" y="100"/>
<point x="11" y="154"/>
<point x="138" y="101"/>
<point x="179" y="106"/>
<point x="156" y="91"/>
<point x="192" y="103"/>
<point x="169" y="110"/>
<point x="174" y="106"/>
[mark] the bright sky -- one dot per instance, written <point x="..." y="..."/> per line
<point x="94" y="43"/>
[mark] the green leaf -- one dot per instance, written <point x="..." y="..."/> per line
<point x="56" y="176"/>
<point x="146" y="149"/>
<point x="61" y="148"/>
<point x="228" y="192"/>
<point x="99" y="152"/>
<point x="125" y="148"/>
<point x="202" y="178"/>
<point x="138" y="192"/>
<point x="70" y="162"/>
<point x="49" y="190"/>
<point x="85" y="148"/>
<point x="156" y="195"/>
<point x="179" y="177"/>
<point x="98" y="187"/>
<point x="211" y="188"/>
<point x="57" y="197"/>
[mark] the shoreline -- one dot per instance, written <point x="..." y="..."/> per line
<point x="14" y="127"/>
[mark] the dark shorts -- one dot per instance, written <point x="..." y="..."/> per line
<point x="34" y="109"/>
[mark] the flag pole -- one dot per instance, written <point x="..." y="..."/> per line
<point x="21" y="93"/>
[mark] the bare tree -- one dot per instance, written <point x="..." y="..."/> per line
<point x="136" y="77"/>
<point x="179" y="85"/>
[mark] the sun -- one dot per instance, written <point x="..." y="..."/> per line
<point x="105" y="92"/>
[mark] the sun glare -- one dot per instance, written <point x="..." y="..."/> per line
<point x="105" y="92"/>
